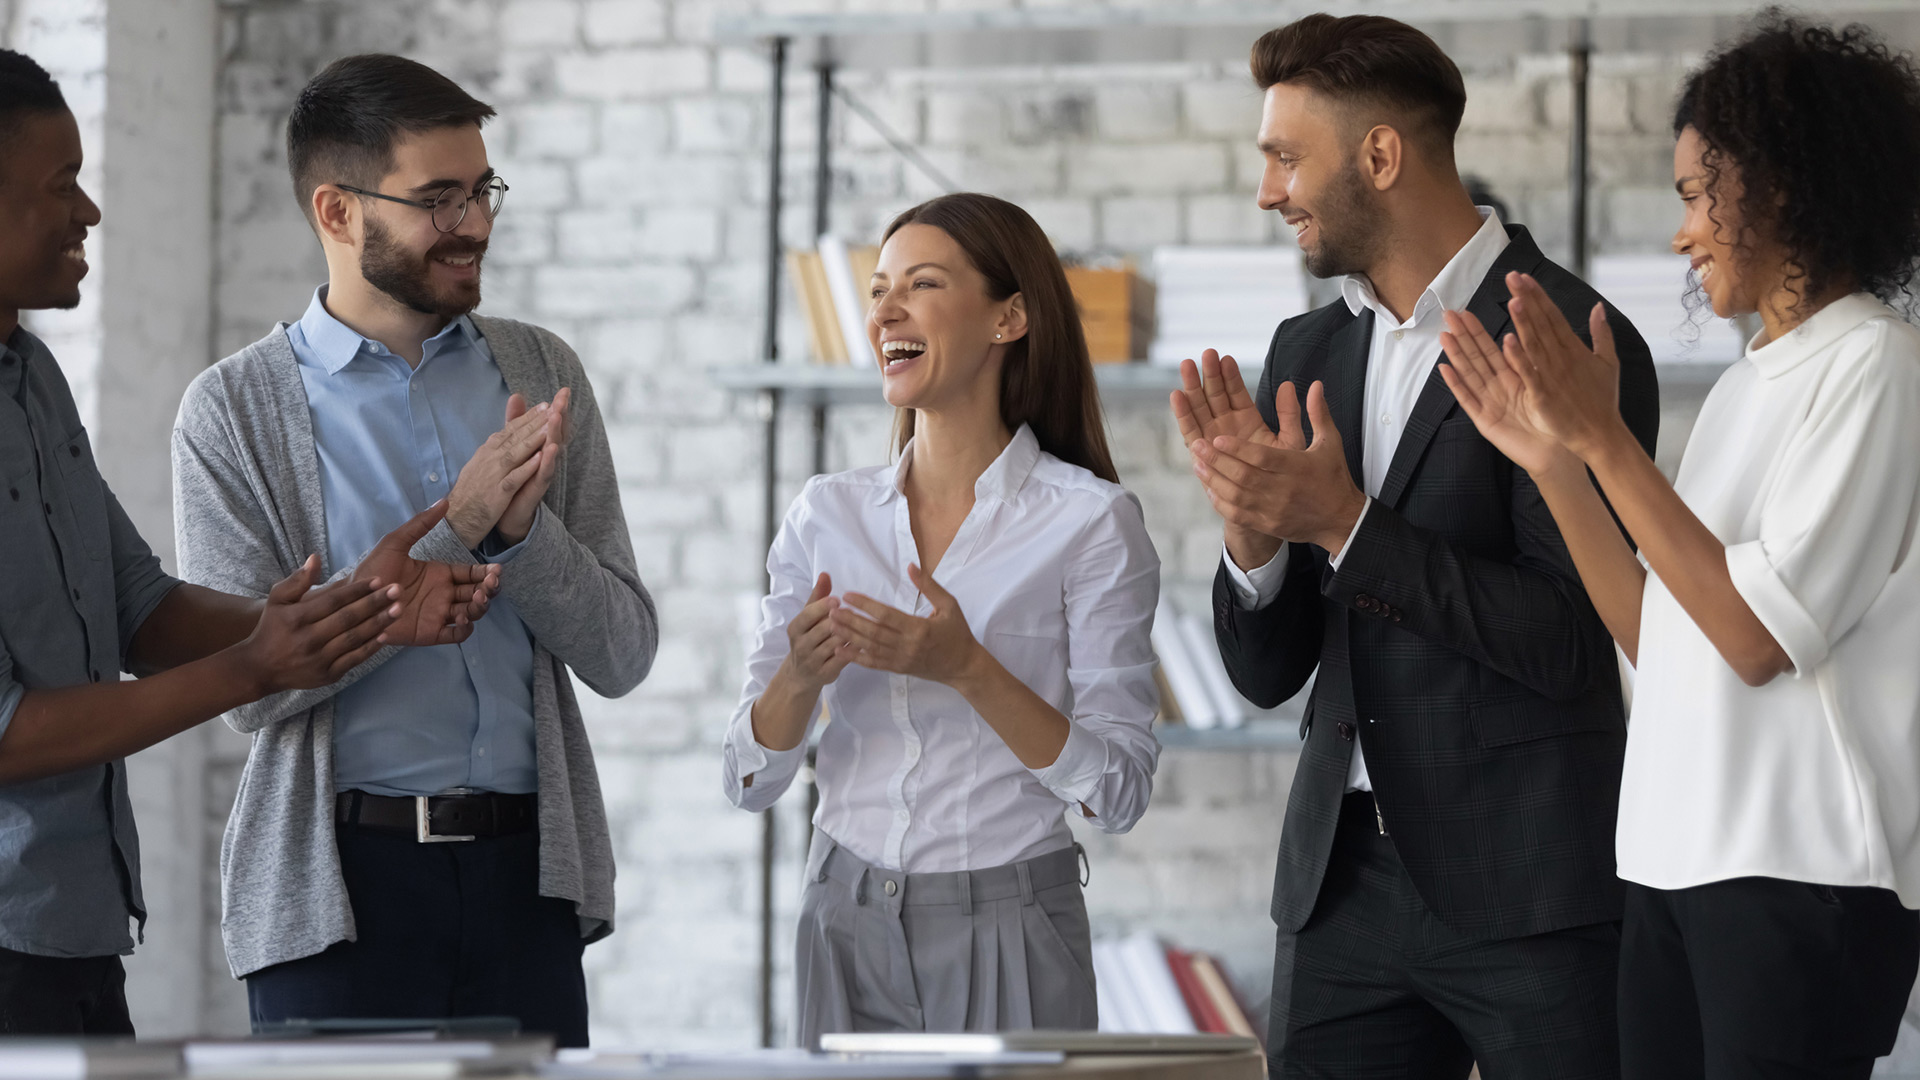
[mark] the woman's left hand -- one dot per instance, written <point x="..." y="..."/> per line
<point x="1573" y="391"/>
<point x="939" y="647"/>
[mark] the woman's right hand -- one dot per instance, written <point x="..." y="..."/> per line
<point x="1494" y="397"/>
<point x="815" y="657"/>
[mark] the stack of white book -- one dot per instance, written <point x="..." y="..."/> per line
<point x="1649" y="291"/>
<point x="1189" y="658"/>
<point x="1147" y="987"/>
<point x="1224" y="298"/>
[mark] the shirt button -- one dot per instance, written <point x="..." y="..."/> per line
<point x="892" y="886"/>
<point x="1345" y="727"/>
<point x="73" y="451"/>
<point x="434" y="476"/>
<point x="902" y="815"/>
<point x="483" y="751"/>
<point x="1398" y="334"/>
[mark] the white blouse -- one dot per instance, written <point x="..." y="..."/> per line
<point x="1805" y="462"/>
<point x="1058" y="580"/>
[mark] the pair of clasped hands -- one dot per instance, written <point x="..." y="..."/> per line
<point x="309" y="637"/>
<point x="1541" y="398"/>
<point x="831" y="632"/>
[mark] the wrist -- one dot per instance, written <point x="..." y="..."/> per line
<point x="1334" y="539"/>
<point x="973" y="672"/>
<point x="466" y="524"/>
<point x="238" y="667"/>
<point x="1251" y="550"/>
<point x="1609" y="448"/>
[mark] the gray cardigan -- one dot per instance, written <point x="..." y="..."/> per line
<point x="248" y="511"/>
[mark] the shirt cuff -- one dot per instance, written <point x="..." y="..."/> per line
<point x="1334" y="561"/>
<point x="1075" y="774"/>
<point x="495" y="550"/>
<point x="1256" y="588"/>
<point x="750" y="757"/>
<point x="1774" y="604"/>
<point x="9" y="704"/>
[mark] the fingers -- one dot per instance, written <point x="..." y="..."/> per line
<point x="1602" y="334"/>
<point x="893" y="618"/>
<point x="1244" y="461"/>
<point x="529" y="433"/>
<point x="1195" y="393"/>
<point x="1286" y="411"/>
<point x="353" y="658"/>
<point x="295" y="585"/>
<point x="517" y="477"/>
<point x="1183" y="416"/>
<point x="1463" y="391"/>
<point x="822" y="588"/>
<point x="330" y="600"/>
<point x="1324" y="432"/>
<point x="560" y="426"/>
<point x="1237" y="396"/>
<point x="378" y="608"/>
<point x="1213" y="382"/>
<point x="864" y="634"/>
<point x="416" y="528"/>
<point x="928" y="587"/>
<point x="516" y="408"/>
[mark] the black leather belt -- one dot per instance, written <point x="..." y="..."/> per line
<point x="438" y="819"/>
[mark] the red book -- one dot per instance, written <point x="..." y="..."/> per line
<point x="1199" y="1003"/>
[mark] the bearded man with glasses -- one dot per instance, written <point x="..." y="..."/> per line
<point x="426" y="838"/>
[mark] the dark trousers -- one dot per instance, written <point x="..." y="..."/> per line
<point x="1758" y="977"/>
<point x="57" y="995"/>
<point x="445" y="930"/>
<point x="1374" y="985"/>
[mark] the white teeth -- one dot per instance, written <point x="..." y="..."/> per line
<point x="897" y="350"/>
<point x="462" y="260"/>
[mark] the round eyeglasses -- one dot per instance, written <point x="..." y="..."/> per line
<point x="449" y="208"/>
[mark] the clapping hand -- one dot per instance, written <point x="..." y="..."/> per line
<point x="438" y="603"/>
<point x="1486" y="383"/>
<point x="1572" y="391"/>
<point x="939" y="647"/>
<point x="517" y="519"/>
<point x="1280" y="485"/>
<point x="815" y="656"/>
<point x="515" y="460"/>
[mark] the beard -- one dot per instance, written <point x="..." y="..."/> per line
<point x="408" y="278"/>
<point x="1350" y="235"/>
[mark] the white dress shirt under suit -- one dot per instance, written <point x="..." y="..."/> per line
<point x="1399" y="362"/>
<point x="1805" y="462"/>
<point x="1057" y="579"/>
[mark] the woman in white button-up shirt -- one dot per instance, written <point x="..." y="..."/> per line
<point x="1769" y="828"/>
<point x="976" y="702"/>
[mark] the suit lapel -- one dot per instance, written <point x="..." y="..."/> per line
<point x="1345" y="377"/>
<point x="1489" y="305"/>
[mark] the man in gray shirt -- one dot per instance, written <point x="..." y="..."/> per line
<point x="84" y="598"/>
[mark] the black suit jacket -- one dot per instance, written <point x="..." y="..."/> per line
<point x="1455" y="644"/>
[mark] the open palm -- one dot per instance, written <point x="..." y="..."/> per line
<point x="1493" y="395"/>
<point x="439" y="602"/>
<point x="1213" y="401"/>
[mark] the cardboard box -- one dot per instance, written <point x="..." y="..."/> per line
<point x="1116" y="311"/>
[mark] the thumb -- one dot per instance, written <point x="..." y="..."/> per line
<point x="291" y="588"/>
<point x="1602" y="334"/>
<point x="928" y="587"/>
<point x="416" y="528"/>
<point x="822" y="586"/>
<point x="1286" y="413"/>
<point x="1324" y="431"/>
<point x="516" y="407"/>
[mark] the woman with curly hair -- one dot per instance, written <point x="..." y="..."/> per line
<point x="1769" y="829"/>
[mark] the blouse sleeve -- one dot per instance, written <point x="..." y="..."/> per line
<point x="1833" y="522"/>
<point x="790" y="582"/>
<point x="1112" y="586"/>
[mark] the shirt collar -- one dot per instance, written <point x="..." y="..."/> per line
<point x="1820" y="330"/>
<point x="335" y="344"/>
<point x="1002" y="480"/>
<point x="1452" y="288"/>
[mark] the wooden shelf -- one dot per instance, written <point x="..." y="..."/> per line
<point x="1120" y="384"/>
<point x="1277" y="733"/>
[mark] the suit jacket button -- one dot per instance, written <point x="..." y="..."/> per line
<point x="1346" y="730"/>
<point x="1395" y="616"/>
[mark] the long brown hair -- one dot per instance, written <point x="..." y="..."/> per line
<point x="1046" y="378"/>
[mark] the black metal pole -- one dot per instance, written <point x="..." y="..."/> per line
<point x="1580" y="54"/>
<point x="822" y="219"/>
<point x="770" y="521"/>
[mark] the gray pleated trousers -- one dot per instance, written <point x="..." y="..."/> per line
<point x="983" y="950"/>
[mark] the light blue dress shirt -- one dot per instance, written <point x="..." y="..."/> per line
<point x="391" y="441"/>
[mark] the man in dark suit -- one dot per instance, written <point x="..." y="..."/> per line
<point x="1445" y="890"/>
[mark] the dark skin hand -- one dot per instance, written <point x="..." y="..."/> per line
<point x="211" y="652"/>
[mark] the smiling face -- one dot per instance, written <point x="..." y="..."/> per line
<point x="401" y="253"/>
<point x="933" y="322"/>
<point x="44" y="215"/>
<point x="1709" y="227"/>
<point x="1312" y="179"/>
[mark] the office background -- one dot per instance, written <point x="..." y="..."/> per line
<point x="635" y="136"/>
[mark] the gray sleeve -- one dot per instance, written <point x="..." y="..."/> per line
<point x="226" y="542"/>
<point x="575" y="583"/>
<point x="139" y="584"/>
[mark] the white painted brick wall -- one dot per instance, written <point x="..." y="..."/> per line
<point x="634" y="146"/>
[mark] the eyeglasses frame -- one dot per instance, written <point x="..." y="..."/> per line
<point x="429" y="204"/>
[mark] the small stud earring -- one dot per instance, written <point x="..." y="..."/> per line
<point x="996" y="337"/>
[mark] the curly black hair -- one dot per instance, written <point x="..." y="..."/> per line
<point x="1822" y="126"/>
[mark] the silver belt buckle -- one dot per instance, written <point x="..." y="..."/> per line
<point x="423" y="828"/>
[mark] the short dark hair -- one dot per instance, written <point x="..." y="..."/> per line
<point x="25" y="89"/>
<point x="345" y="121"/>
<point x="1822" y="127"/>
<point x="1369" y="60"/>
